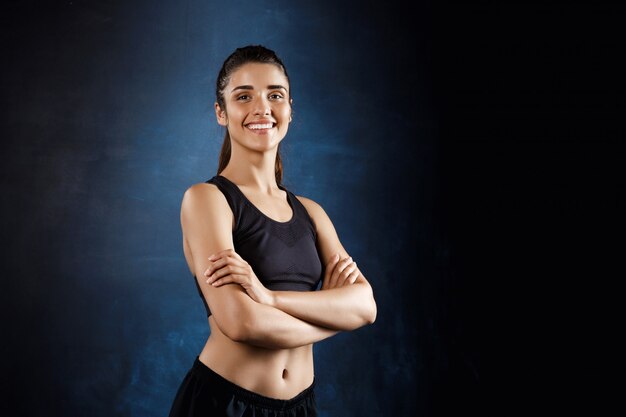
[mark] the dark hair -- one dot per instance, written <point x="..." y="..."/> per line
<point x="241" y="56"/>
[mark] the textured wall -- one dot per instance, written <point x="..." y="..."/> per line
<point x="107" y="119"/>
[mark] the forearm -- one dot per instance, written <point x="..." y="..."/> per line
<point x="345" y="308"/>
<point x="271" y="328"/>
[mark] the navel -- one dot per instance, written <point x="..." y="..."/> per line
<point x="285" y="373"/>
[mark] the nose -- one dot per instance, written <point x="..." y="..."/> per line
<point x="262" y="106"/>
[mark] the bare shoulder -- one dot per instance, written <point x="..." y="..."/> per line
<point x="327" y="239"/>
<point x="316" y="212"/>
<point x="305" y="200"/>
<point x="202" y="189"/>
<point x="204" y="200"/>
<point x="202" y="193"/>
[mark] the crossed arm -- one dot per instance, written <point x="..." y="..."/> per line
<point x="250" y="313"/>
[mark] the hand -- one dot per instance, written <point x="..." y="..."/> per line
<point x="340" y="273"/>
<point x="230" y="268"/>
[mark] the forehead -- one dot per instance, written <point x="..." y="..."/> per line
<point x="258" y="75"/>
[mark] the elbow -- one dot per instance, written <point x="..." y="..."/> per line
<point x="370" y="310"/>
<point x="370" y="314"/>
<point x="244" y="331"/>
<point x="237" y="332"/>
<point x="365" y="315"/>
<point x="367" y="311"/>
<point x="239" y="327"/>
<point x="372" y="317"/>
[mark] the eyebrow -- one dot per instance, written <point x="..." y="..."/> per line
<point x="249" y="87"/>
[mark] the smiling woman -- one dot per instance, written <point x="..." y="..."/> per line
<point x="258" y="253"/>
<point x="256" y="104"/>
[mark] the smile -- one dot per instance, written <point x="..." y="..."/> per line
<point x="260" y="126"/>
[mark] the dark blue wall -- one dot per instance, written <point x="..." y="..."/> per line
<point x="468" y="167"/>
<point x="107" y="119"/>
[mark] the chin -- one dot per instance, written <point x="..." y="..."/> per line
<point x="262" y="146"/>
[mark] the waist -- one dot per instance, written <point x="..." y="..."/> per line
<point x="220" y="385"/>
<point x="275" y="373"/>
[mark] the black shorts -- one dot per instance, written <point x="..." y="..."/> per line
<point x="206" y="393"/>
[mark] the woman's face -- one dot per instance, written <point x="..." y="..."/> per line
<point x="258" y="106"/>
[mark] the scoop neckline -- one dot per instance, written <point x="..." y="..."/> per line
<point x="289" y="201"/>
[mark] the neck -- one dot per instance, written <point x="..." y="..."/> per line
<point x="252" y="169"/>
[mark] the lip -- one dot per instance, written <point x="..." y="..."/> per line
<point x="261" y="122"/>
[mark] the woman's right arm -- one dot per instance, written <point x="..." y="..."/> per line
<point x="206" y="221"/>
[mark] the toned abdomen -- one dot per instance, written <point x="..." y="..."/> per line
<point x="275" y="373"/>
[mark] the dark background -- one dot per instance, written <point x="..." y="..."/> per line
<point x="468" y="155"/>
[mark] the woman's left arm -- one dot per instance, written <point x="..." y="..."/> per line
<point x="346" y="308"/>
<point x="346" y="301"/>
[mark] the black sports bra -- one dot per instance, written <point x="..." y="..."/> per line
<point x="283" y="255"/>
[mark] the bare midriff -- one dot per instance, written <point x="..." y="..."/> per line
<point x="274" y="373"/>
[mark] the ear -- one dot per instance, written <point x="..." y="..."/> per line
<point x="291" y="109"/>
<point x="220" y="114"/>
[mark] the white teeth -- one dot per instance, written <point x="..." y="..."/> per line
<point x="260" y="126"/>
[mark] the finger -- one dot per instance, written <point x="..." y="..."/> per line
<point x="225" y="274"/>
<point x="223" y="271"/>
<point x="332" y="280"/>
<point x="354" y="275"/>
<point x="338" y="269"/>
<point x="235" y="255"/>
<point x="230" y="279"/>
<point x="229" y="270"/>
<point x="345" y="274"/>
<point x="220" y="254"/>
<point x="223" y="261"/>
<point x="215" y="256"/>
<point x="216" y="264"/>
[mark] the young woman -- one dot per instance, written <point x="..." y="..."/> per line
<point x="258" y="253"/>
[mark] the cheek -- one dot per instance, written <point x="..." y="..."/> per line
<point x="234" y="113"/>
<point x="285" y="112"/>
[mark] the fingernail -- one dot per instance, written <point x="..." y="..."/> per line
<point x="211" y="257"/>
